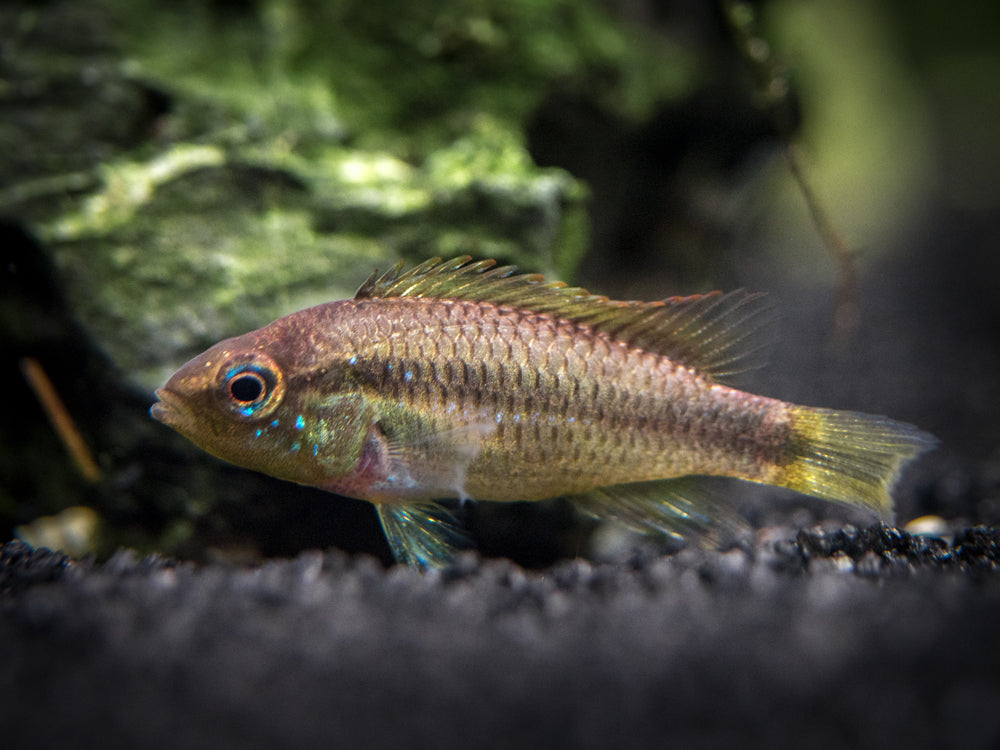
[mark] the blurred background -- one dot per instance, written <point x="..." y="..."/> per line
<point x="175" y="173"/>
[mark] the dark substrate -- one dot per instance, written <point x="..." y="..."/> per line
<point x="840" y="639"/>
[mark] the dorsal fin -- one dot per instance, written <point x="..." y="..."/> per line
<point x="708" y="332"/>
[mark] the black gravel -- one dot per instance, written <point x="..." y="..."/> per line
<point x="856" y="638"/>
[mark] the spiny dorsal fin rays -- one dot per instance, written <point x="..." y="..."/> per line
<point x="482" y="281"/>
<point x="708" y="332"/>
<point x="714" y="332"/>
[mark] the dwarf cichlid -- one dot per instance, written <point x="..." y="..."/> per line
<point x="466" y="380"/>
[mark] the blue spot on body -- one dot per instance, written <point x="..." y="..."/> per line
<point x="300" y="422"/>
<point x="259" y="432"/>
<point x="274" y="423"/>
<point x="315" y="449"/>
<point x="353" y="360"/>
<point x="408" y="376"/>
<point x="296" y="446"/>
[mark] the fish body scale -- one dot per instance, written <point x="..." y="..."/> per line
<point x="573" y="409"/>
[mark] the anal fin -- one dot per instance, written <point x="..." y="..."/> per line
<point x="682" y="508"/>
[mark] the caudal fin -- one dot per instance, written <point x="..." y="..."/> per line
<point x="850" y="457"/>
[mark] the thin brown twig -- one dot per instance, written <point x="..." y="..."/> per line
<point x="845" y="313"/>
<point x="772" y="81"/>
<point x="60" y="419"/>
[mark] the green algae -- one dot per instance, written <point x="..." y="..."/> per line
<point x="300" y="144"/>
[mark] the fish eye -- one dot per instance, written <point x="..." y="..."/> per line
<point x="247" y="387"/>
<point x="251" y="386"/>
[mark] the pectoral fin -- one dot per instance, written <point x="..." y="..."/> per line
<point x="428" y="463"/>
<point x="422" y="536"/>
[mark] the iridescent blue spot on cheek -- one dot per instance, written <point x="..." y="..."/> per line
<point x="300" y="422"/>
<point x="352" y="361"/>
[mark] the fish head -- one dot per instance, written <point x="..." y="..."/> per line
<point x="254" y="402"/>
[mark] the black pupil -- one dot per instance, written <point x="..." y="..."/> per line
<point x="247" y="388"/>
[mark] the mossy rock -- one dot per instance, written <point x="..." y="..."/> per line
<point x="237" y="164"/>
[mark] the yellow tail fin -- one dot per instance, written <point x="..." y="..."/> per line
<point x="850" y="457"/>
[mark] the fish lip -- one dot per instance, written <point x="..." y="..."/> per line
<point x="169" y="409"/>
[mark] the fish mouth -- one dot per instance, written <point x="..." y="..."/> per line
<point x="169" y="409"/>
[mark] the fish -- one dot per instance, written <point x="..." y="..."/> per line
<point x="468" y="380"/>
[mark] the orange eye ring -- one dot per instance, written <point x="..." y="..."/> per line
<point x="250" y="386"/>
